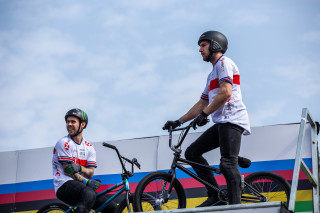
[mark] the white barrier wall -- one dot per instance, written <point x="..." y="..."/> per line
<point x="27" y="174"/>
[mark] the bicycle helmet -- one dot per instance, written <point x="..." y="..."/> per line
<point x="218" y="42"/>
<point x="81" y="115"/>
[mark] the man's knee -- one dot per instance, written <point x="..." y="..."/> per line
<point x="81" y="209"/>
<point x="189" y="153"/>
<point x="228" y="166"/>
<point x="88" y="197"/>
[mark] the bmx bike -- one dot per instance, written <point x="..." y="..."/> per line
<point x="163" y="191"/>
<point x="124" y="206"/>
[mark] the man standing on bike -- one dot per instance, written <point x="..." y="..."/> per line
<point x="73" y="162"/>
<point x="222" y="100"/>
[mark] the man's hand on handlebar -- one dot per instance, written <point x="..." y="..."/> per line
<point x="93" y="184"/>
<point x="200" y="120"/>
<point x="173" y="124"/>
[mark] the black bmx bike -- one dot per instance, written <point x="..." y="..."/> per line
<point x="124" y="206"/>
<point x="163" y="191"/>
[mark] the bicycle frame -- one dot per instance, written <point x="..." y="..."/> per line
<point x="124" y="184"/>
<point x="125" y="187"/>
<point x="177" y="163"/>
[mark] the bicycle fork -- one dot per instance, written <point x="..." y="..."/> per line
<point x="165" y="194"/>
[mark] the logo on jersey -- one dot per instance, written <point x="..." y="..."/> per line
<point x="87" y="143"/>
<point x="66" y="146"/>
<point x="57" y="174"/>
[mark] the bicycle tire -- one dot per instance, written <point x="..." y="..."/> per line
<point x="272" y="186"/>
<point x="53" y="208"/>
<point x="149" y="194"/>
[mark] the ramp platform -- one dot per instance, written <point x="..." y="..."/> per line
<point x="268" y="207"/>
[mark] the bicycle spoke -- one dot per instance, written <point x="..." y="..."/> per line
<point x="265" y="187"/>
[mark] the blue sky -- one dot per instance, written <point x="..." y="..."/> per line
<point x="133" y="64"/>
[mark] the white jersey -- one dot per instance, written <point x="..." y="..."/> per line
<point x="234" y="111"/>
<point x="66" y="150"/>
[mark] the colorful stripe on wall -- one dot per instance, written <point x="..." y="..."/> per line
<point x="29" y="196"/>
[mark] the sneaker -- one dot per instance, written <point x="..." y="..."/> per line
<point x="211" y="201"/>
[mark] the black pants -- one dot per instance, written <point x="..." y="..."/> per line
<point x="74" y="192"/>
<point x="227" y="136"/>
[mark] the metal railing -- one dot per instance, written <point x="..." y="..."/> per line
<point x="313" y="176"/>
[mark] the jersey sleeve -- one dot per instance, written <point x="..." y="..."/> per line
<point x="225" y="72"/>
<point x="205" y="95"/>
<point x="91" y="161"/>
<point x="63" y="151"/>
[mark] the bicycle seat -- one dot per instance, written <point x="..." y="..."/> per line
<point x="244" y="162"/>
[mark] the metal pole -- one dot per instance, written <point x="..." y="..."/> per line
<point x="295" y="177"/>
<point x="299" y="163"/>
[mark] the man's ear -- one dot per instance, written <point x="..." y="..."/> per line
<point x="83" y="124"/>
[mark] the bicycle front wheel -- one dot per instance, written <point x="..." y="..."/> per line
<point x="152" y="193"/>
<point x="53" y="208"/>
<point x="265" y="187"/>
<point x="122" y="207"/>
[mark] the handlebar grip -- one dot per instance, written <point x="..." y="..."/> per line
<point x="135" y="161"/>
<point x="108" y="145"/>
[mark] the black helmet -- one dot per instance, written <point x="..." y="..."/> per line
<point x="218" y="41"/>
<point x="80" y="114"/>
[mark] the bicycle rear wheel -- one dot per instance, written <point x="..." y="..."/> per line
<point x="53" y="208"/>
<point x="152" y="193"/>
<point x="265" y="187"/>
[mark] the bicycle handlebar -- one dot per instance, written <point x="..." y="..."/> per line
<point x="108" y="145"/>
<point x="170" y="130"/>
<point x="133" y="162"/>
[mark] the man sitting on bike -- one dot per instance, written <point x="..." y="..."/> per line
<point x="222" y="99"/>
<point x="74" y="161"/>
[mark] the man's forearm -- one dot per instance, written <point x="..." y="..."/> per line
<point x="220" y="99"/>
<point x="78" y="177"/>
<point x="86" y="172"/>
<point x="195" y="110"/>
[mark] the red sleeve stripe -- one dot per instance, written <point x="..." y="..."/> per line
<point x="204" y="97"/>
<point x="236" y="79"/>
<point x="90" y="164"/>
<point x="214" y="84"/>
<point x="64" y="159"/>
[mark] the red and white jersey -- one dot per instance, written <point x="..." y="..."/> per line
<point x="66" y="150"/>
<point x="234" y="111"/>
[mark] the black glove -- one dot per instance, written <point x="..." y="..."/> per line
<point x="201" y="120"/>
<point x="173" y="124"/>
<point x="93" y="184"/>
<point x="72" y="168"/>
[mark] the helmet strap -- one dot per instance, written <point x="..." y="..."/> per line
<point x="208" y="59"/>
<point x="78" y="132"/>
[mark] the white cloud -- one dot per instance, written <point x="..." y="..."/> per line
<point x="129" y="64"/>
<point x="141" y="80"/>
<point x="114" y="19"/>
<point x="300" y="75"/>
<point x="145" y="4"/>
<point x="247" y="18"/>
<point x="37" y="12"/>
<point x="267" y="111"/>
<point x="311" y="37"/>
